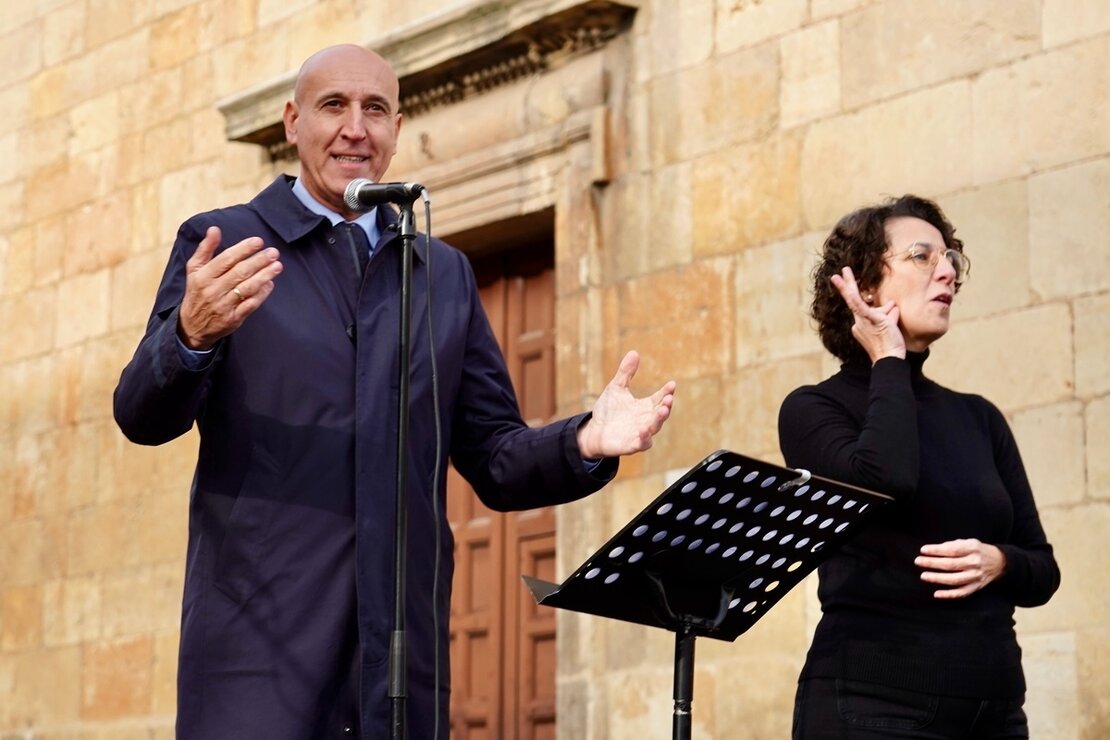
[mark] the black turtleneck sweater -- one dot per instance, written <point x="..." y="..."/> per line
<point x="951" y="463"/>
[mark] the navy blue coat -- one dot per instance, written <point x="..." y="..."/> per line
<point x="287" y="607"/>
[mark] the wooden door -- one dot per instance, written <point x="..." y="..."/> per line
<point x="502" y="645"/>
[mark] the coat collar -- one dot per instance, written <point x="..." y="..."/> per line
<point x="287" y="216"/>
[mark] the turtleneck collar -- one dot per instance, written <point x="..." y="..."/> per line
<point x="862" y="368"/>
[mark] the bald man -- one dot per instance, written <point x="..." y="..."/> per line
<point x="282" y="349"/>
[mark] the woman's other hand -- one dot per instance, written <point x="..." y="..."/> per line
<point x="962" y="567"/>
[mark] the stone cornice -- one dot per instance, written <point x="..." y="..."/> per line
<point x="456" y="54"/>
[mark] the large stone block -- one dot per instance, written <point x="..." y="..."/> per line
<point x="989" y="356"/>
<point x="1078" y="535"/>
<point x="21" y="50"/>
<point x="71" y="611"/>
<point x="810" y="86"/>
<point x="1025" y="114"/>
<point x="184" y="193"/>
<point x="773" y="291"/>
<point x="1068" y="20"/>
<point x="1092" y="345"/>
<point x="110" y="19"/>
<point x="28" y="396"/>
<point x="95" y="123"/>
<point x="12" y="200"/>
<point x="141" y="600"/>
<point x="82" y="308"/>
<point x="29" y="324"/>
<point x="159" y="98"/>
<point x="64" y="33"/>
<point x="1052" y="447"/>
<point x="148" y="232"/>
<point x="96" y="235"/>
<point x="116" y="678"/>
<point x="50" y="249"/>
<point x="167" y="147"/>
<point x="725" y="100"/>
<point x="116" y="63"/>
<point x="1098" y="442"/>
<point x="39" y="146"/>
<point x="752" y="399"/>
<point x="163" y="698"/>
<point x="753" y="697"/>
<point x="11" y="156"/>
<point x="1052" y="693"/>
<point x="678" y="37"/>
<point x="16" y="102"/>
<point x="245" y="62"/>
<point x="101" y="538"/>
<point x="163" y="524"/>
<point x="749" y="22"/>
<point x="1092" y="648"/>
<point x="631" y="249"/>
<point x="45" y="688"/>
<point x="918" y="143"/>
<point x="747" y="194"/>
<point x="173" y="38"/>
<point x="692" y="431"/>
<point x="993" y="223"/>
<point x="21" y="618"/>
<point x="21" y="552"/>
<point x="681" y="318"/>
<point x="17" y="259"/>
<point x="1068" y="222"/>
<point x="134" y="284"/>
<point x="224" y="20"/>
<point x="901" y="45"/>
<point x="639" y="702"/>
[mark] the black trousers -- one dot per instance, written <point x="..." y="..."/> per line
<point x="835" y="709"/>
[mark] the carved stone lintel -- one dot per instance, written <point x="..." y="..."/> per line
<point x="463" y="53"/>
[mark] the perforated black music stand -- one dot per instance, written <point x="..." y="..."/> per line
<point x="712" y="554"/>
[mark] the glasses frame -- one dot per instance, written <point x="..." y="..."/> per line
<point x="961" y="263"/>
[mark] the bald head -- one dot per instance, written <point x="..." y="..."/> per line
<point x="334" y="60"/>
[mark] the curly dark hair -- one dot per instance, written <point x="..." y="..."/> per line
<point x="859" y="241"/>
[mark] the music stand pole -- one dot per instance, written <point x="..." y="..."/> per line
<point x="683" y="682"/>
<point x="398" y="654"/>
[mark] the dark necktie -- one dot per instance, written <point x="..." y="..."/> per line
<point x="359" y="245"/>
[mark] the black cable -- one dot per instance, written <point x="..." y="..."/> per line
<point x="438" y="454"/>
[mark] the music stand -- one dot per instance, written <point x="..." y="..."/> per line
<point x="712" y="554"/>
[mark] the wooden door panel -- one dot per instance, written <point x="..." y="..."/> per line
<point x="502" y="645"/>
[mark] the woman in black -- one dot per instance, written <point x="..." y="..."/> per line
<point x="916" y="638"/>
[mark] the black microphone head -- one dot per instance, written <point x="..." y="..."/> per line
<point x="350" y="195"/>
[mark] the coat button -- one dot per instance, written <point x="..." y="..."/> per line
<point x="348" y="730"/>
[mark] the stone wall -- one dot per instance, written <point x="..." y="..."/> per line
<point x="736" y="132"/>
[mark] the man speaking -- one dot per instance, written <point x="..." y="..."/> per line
<point x="274" y="331"/>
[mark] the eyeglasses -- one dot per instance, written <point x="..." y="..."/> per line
<point x="925" y="257"/>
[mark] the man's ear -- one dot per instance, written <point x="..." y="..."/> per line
<point x="289" y="118"/>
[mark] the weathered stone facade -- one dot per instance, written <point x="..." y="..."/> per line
<point x="695" y="158"/>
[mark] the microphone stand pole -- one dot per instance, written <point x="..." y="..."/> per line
<point x="398" y="655"/>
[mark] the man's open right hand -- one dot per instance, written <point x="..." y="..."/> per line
<point x="222" y="291"/>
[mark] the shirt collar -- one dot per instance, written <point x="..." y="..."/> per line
<point x="368" y="221"/>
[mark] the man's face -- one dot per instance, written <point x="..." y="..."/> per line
<point x="344" y="121"/>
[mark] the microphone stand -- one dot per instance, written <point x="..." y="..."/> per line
<point x="398" y="655"/>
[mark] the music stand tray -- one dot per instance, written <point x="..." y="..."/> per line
<point x="712" y="554"/>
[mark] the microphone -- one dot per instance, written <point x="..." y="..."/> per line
<point x="362" y="194"/>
